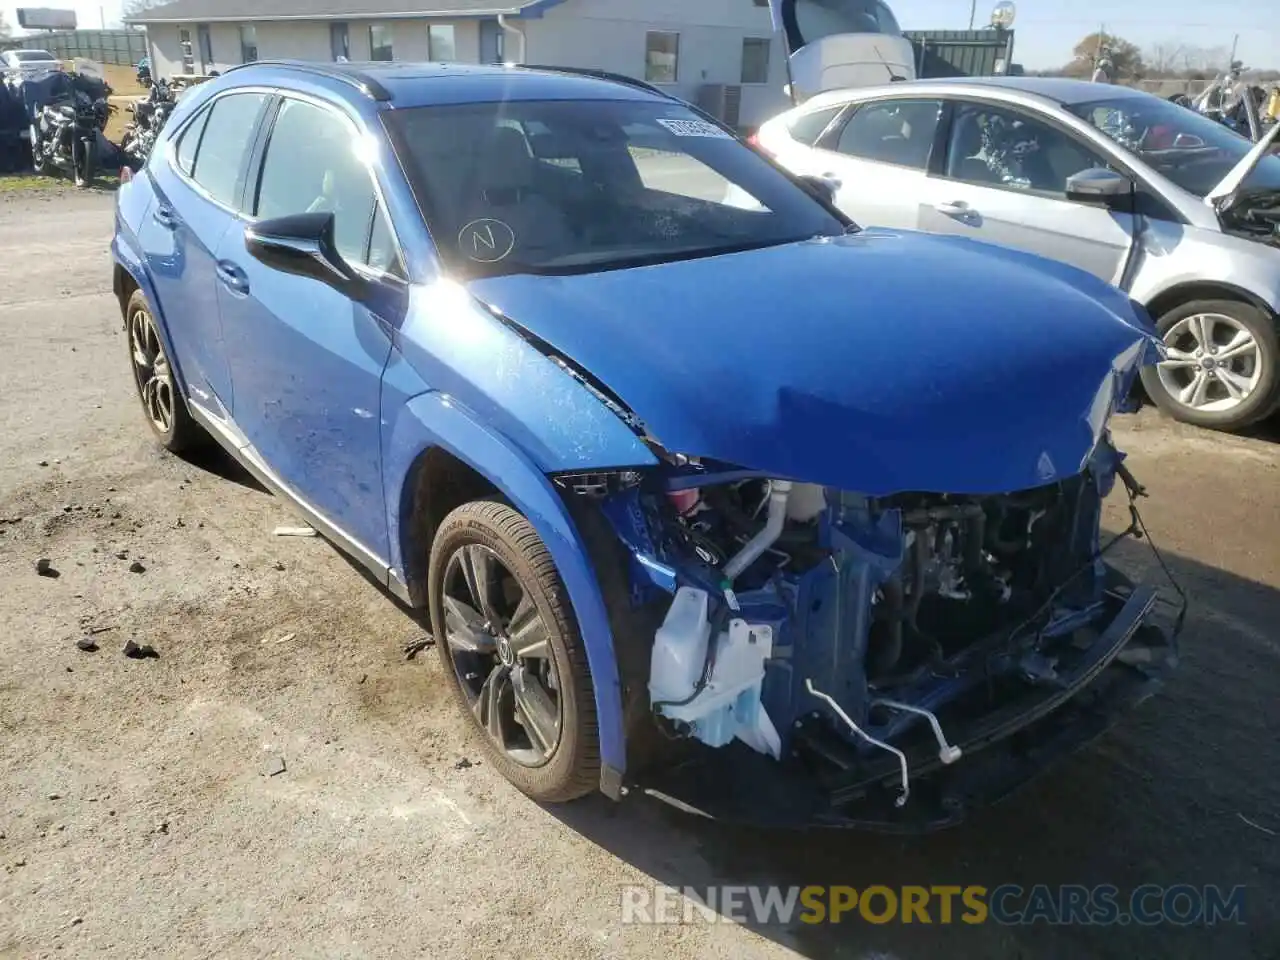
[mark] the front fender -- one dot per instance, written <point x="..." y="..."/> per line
<point x="434" y="420"/>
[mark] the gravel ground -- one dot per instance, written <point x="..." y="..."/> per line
<point x="137" y="816"/>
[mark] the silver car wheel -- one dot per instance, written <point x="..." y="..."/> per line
<point x="151" y="371"/>
<point x="1213" y="363"/>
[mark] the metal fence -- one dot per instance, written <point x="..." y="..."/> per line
<point x="960" y="53"/>
<point x="123" y="47"/>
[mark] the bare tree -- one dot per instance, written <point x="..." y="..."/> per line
<point x="1164" y="59"/>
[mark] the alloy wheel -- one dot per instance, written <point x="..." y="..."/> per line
<point x="501" y="650"/>
<point x="151" y="371"/>
<point x="1213" y="363"/>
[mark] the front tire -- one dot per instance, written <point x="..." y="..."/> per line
<point x="156" y="382"/>
<point x="510" y="644"/>
<point x="1223" y="368"/>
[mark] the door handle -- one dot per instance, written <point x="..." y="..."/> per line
<point x="955" y="208"/>
<point x="165" y="217"/>
<point x="233" y="278"/>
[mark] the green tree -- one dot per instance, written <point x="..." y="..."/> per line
<point x="1125" y="57"/>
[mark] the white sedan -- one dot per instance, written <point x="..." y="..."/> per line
<point x="29" y="61"/>
<point x="1165" y="203"/>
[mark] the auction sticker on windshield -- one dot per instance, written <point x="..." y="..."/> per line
<point x="695" y="128"/>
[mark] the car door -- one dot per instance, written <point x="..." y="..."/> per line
<point x="197" y="185"/>
<point x="307" y="360"/>
<point x="878" y="154"/>
<point x="1003" y="179"/>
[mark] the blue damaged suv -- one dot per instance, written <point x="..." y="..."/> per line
<point x="702" y="488"/>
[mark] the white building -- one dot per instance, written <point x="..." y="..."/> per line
<point x="708" y="51"/>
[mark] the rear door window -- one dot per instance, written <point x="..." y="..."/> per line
<point x="224" y="146"/>
<point x="900" y="132"/>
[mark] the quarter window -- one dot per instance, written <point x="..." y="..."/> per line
<point x="661" y="57"/>
<point x="380" y="43"/>
<point x="900" y="132"/>
<point x="807" y="127"/>
<point x="311" y="167"/>
<point x="190" y="141"/>
<point x="220" y="157"/>
<point x="996" y="147"/>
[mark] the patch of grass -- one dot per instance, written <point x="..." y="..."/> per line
<point x="30" y="183"/>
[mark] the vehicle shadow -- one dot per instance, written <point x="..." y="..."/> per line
<point x="1181" y="791"/>
<point x="1267" y="430"/>
<point x="213" y="459"/>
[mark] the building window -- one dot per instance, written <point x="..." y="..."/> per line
<point x="206" y="47"/>
<point x="340" y="41"/>
<point x="755" y="60"/>
<point x="248" y="43"/>
<point x="440" y="42"/>
<point x="380" y="46"/>
<point x="661" y="57"/>
<point x="188" y="54"/>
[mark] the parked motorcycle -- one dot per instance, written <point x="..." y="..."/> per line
<point x="149" y="117"/>
<point x="65" y="136"/>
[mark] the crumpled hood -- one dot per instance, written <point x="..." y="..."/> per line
<point x="879" y="362"/>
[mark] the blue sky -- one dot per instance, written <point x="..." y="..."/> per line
<point x="1046" y="29"/>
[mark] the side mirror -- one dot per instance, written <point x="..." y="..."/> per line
<point x="823" y="187"/>
<point x="1099" y="188"/>
<point x="302" y="245"/>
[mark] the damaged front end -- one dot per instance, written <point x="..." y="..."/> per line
<point x="824" y="657"/>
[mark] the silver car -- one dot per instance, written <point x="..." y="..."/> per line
<point x="1168" y="205"/>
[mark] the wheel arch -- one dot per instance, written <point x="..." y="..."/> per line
<point x="1171" y="297"/>
<point x="436" y="456"/>
<point x="130" y="276"/>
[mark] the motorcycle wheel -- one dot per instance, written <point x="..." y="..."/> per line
<point x="39" y="166"/>
<point x="86" y="164"/>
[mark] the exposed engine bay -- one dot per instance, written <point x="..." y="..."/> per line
<point x="803" y="619"/>
<point x="1253" y="215"/>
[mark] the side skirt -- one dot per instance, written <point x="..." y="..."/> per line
<point x="237" y="444"/>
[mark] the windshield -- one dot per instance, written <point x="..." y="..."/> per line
<point x="1192" y="150"/>
<point x="585" y="185"/>
<point x="32" y="56"/>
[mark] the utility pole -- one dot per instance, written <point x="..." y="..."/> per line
<point x="1235" y="42"/>
<point x="973" y="12"/>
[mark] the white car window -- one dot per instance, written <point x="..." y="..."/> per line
<point x="900" y="132"/>
<point x="997" y="147"/>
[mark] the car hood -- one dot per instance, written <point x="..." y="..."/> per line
<point x="878" y="362"/>
<point x="1240" y="172"/>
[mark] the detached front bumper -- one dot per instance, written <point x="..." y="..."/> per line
<point x="825" y="783"/>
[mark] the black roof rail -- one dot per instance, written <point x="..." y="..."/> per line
<point x="366" y="84"/>
<point x="599" y="75"/>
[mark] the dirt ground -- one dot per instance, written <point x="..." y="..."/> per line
<point x="137" y="819"/>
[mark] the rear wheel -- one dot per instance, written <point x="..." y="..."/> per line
<point x="162" y="401"/>
<point x="1223" y="368"/>
<point x="508" y="638"/>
